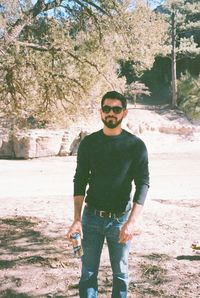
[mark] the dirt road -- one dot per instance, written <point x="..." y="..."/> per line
<point x="36" y="210"/>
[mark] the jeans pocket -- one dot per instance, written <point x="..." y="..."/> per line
<point x="122" y="219"/>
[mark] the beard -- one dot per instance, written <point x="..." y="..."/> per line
<point x="111" y="122"/>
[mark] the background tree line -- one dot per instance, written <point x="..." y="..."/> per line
<point x="58" y="57"/>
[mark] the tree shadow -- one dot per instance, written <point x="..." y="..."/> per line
<point x="179" y="203"/>
<point x="189" y="258"/>
<point x="19" y="235"/>
<point x="166" y="111"/>
<point x="9" y="293"/>
<point x="34" y="245"/>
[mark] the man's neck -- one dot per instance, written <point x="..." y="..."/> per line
<point x="112" y="131"/>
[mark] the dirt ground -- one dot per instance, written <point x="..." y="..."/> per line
<point x="36" y="209"/>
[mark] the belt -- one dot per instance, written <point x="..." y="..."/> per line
<point x="105" y="214"/>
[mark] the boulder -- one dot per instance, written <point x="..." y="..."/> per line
<point x="65" y="144"/>
<point x="6" y="146"/>
<point x="24" y="146"/>
<point x="76" y="142"/>
<point x="37" y="143"/>
<point x="184" y="130"/>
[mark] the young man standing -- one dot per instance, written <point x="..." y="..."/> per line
<point x="107" y="162"/>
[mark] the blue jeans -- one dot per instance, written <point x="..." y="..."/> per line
<point x="95" y="230"/>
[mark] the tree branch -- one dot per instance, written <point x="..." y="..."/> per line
<point x="93" y="5"/>
<point x="27" y="18"/>
<point x="34" y="46"/>
<point x="40" y="6"/>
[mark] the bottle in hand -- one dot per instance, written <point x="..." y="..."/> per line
<point x="76" y="243"/>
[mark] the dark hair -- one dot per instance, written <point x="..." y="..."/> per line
<point x="114" y="95"/>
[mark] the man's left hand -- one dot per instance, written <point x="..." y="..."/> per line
<point x="126" y="232"/>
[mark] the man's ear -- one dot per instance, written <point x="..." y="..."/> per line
<point x="125" y="113"/>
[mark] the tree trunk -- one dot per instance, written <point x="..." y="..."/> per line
<point x="173" y="67"/>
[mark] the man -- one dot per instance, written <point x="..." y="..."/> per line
<point x="108" y="161"/>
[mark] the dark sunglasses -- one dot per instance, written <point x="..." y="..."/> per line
<point x="116" y="109"/>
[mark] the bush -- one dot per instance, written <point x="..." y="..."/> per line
<point x="189" y="96"/>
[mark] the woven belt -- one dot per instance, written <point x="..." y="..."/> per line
<point x="105" y="214"/>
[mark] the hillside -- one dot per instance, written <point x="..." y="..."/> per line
<point x="162" y="129"/>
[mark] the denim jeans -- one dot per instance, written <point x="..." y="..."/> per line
<point x="95" y="230"/>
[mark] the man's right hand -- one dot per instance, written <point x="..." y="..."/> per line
<point x="76" y="227"/>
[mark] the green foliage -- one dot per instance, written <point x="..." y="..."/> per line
<point x="143" y="34"/>
<point x="53" y="68"/>
<point x="183" y="17"/>
<point x="49" y="83"/>
<point x="187" y="25"/>
<point x="189" y="96"/>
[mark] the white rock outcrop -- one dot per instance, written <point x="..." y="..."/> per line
<point x="37" y="143"/>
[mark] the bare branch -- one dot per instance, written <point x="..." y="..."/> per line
<point x="27" y="18"/>
<point x="91" y="64"/>
<point x="93" y="5"/>
<point x="33" y="46"/>
<point x="40" y="6"/>
<point x="92" y="15"/>
<point x="77" y="83"/>
<point x="2" y="51"/>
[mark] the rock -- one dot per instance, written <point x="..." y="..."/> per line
<point x="37" y="143"/>
<point x="132" y="128"/>
<point x="48" y="145"/>
<point x="75" y="144"/>
<point x="175" y="129"/>
<point x="46" y="142"/>
<point x="24" y="146"/>
<point x="141" y="128"/>
<point x="65" y="144"/>
<point x="6" y="146"/>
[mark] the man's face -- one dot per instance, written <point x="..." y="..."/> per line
<point x="112" y="113"/>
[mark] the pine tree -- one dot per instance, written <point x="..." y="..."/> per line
<point x="183" y="17"/>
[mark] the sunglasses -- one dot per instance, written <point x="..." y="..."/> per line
<point x="116" y="109"/>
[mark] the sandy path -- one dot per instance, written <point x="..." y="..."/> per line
<point x="35" y="187"/>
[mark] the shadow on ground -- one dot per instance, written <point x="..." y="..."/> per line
<point x="23" y="241"/>
<point x="180" y="203"/>
<point x="158" y="275"/>
<point x="35" y="259"/>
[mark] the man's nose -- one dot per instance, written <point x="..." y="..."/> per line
<point x="111" y="112"/>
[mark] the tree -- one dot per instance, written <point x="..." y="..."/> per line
<point x="184" y="26"/>
<point x="135" y="89"/>
<point x="26" y="13"/>
<point x="144" y="34"/>
<point x="53" y="63"/>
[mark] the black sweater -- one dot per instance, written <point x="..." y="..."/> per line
<point x="108" y="165"/>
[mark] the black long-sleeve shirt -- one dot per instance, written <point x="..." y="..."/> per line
<point x="108" y="165"/>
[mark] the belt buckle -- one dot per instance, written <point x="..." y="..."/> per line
<point x="105" y="214"/>
<point x="101" y="213"/>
